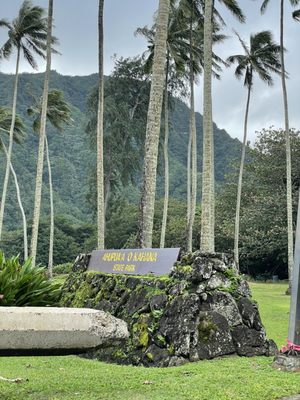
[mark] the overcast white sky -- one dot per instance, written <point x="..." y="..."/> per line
<point x="76" y="28"/>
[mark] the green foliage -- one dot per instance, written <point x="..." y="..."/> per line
<point x="58" y="111"/>
<point x="121" y="225"/>
<point x="5" y="123"/>
<point x="69" y="241"/>
<point x="263" y="232"/>
<point x="25" y="285"/>
<point x="62" y="268"/>
<point x="73" y="158"/>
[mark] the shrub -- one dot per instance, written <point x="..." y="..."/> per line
<point x="62" y="269"/>
<point x="25" y="285"/>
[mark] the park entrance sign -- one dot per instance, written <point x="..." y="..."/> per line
<point x="134" y="261"/>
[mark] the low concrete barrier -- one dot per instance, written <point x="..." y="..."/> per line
<point x="57" y="331"/>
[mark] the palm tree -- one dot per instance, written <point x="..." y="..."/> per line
<point x="208" y="205"/>
<point x="191" y="11"/>
<point x="100" y="161"/>
<point x="40" y="161"/>
<point x="58" y="114"/>
<point x="27" y="34"/>
<point x="287" y="134"/>
<point x="5" y="123"/>
<point x="262" y="58"/>
<point x="176" y="60"/>
<point x="153" y="126"/>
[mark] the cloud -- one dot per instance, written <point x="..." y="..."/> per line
<point x="76" y="28"/>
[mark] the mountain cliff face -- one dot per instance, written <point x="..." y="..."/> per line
<point x="72" y="156"/>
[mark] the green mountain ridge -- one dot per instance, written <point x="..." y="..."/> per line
<point x="72" y="157"/>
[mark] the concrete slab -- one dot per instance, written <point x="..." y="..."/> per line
<point x="53" y="330"/>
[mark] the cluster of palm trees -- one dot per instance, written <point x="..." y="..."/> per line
<point x="30" y="34"/>
<point x="262" y="57"/>
<point x="180" y="48"/>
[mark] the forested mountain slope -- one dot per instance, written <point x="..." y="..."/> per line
<point x="72" y="156"/>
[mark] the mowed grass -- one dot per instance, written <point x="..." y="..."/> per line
<point x="274" y="307"/>
<point x="227" y="378"/>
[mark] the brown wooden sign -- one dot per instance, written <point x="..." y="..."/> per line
<point x="134" y="261"/>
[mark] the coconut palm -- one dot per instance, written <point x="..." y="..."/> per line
<point x="287" y="133"/>
<point x="192" y="11"/>
<point x="177" y="57"/>
<point x="261" y="57"/>
<point x="5" y="123"/>
<point x="27" y="34"/>
<point x="58" y="114"/>
<point x="153" y="126"/>
<point x="40" y="160"/>
<point x="208" y="204"/>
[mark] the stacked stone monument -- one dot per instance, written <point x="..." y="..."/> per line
<point x="201" y="310"/>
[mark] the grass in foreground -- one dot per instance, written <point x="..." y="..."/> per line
<point x="228" y="378"/>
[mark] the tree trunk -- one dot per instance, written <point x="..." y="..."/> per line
<point x="207" y="214"/>
<point x="188" y="186"/>
<point x="193" y="136"/>
<point x="40" y="161"/>
<point x="20" y="205"/>
<point x="107" y="195"/>
<point x="288" y="154"/>
<point x="51" y="236"/>
<point x="10" y="145"/>
<point x="153" y="127"/>
<point x="100" y="167"/>
<point x="166" y="160"/>
<point x="239" y="189"/>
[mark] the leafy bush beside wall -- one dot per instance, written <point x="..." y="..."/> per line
<point x="25" y="285"/>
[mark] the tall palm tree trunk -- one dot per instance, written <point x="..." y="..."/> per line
<point x="20" y="204"/>
<point x="51" y="236"/>
<point x="100" y="167"/>
<point x="166" y="160"/>
<point x="193" y="170"/>
<point x="239" y="189"/>
<point x="193" y="137"/>
<point x="10" y="145"/>
<point x="207" y="214"/>
<point x="153" y="126"/>
<point x="40" y="161"/>
<point x="288" y="154"/>
<point x="188" y="186"/>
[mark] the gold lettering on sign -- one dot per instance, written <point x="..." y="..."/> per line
<point x="113" y="256"/>
<point x="142" y="256"/>
<point x="124" y="267"/>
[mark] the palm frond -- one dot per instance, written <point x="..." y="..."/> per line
<point x="29" y="57"/>
<point x="234" y="8"/>
<point x="58" y="111"/>
<point x="296" y="15"/>
<point x="5" y="124"/>
<point x="5" y="23"/>
<point x="264" y="6"/>
<point x="6" y="49"/>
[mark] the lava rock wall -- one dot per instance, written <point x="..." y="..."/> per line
<point x="201" y="311"/>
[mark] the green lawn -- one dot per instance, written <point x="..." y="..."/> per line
<point x="274" y="307"/>
<point x="227" y="378"/>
